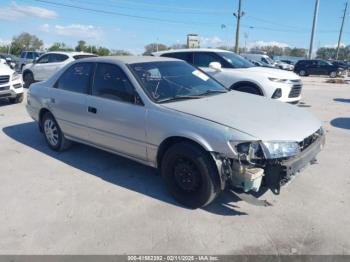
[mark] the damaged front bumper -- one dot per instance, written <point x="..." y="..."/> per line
<point x="271" y="173"/>
<point x="280" y="172"/>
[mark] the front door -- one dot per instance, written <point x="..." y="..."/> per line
<point x="116" y="120"/>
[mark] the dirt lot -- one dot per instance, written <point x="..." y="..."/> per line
<point x="86" y="201"/>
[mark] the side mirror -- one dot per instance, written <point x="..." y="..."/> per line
<point x="216" y="66"/>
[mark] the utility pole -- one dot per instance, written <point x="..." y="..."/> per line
<point x="313" y="28"/>
<point x="238" y="15"/>
<point x="341" y="30"/>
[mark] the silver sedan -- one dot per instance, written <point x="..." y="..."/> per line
<point x="167" y="114"/>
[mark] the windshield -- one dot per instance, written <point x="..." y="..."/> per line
<point x="235" y="60"/>
<point x="174" y="80"/>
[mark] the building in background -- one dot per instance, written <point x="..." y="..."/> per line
<point x="192" y="41"/>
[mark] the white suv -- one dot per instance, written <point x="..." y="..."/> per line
<point x="49" y="63"/>
<point x="239" y="74"/>
<point x="11" y="84"/>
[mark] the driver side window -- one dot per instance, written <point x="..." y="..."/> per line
<point x="44" y="59"/>
<point x="111" y="82"/>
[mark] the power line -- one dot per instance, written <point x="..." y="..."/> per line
<point x="123" y="14"/>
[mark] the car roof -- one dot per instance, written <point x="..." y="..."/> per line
<point x="68" y="53"/>
<point x="128" y="59"/>
<point x="190" y="50"/>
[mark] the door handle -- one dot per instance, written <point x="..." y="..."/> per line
<point x="92" y="110"/>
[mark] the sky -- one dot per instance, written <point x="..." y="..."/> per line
<point x="131" y="24"/>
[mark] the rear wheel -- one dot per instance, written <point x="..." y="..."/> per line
<point x="190" y="175"/>
<point x="333" y="74"/>
<point x="248" y="89"/>
<point x="17" y="99"/>
<point x="28" y="79"/>
<point x="53" y="134"/>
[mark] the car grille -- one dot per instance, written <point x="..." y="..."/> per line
<point x="4" y="79"/>
<point x="310" y="139"/>
<point x="295" y="91"/>
<point x="4" y="88"/>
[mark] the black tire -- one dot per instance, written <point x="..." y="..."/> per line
<point x="17" y="99"/>
<point x="250" y="89"/>
<point x="28" y="79"/>
<point x="190" y="175"/>
<point x="303" y="73"/>
<point x="333" y="74"/>
<point x="62" y="143"/>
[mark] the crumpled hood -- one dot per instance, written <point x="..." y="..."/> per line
<point x="269" y="72"/>
<point x="262" y="118"/>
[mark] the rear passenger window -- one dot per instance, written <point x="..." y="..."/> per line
<point x="112" y="83"/>
<point x="186" y="56"/>
<point x="56" y="58"/>
<point x="23" y="55"/>
<point x="76" y="78"/>
<point x="204" y="59"/>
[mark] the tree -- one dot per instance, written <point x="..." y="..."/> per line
<point x="178" y="46"/>
<point x="81" y="47"/>
<point x="120" y="53"/>
<point x="25" y="42"/>
<point x="60" y="47"/>
<point x="298" y="52"/>
<point x="154" y="47"/>
<point x="103" y="51"/>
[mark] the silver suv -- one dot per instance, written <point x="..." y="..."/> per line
<point x="167" y="114"/>
<point x="26" y="58"/>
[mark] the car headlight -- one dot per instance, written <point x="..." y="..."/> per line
<point x="268" y="150"/>
<point x="15" y="76"/>
<point x="278" y="80"/>
<point x="274" y="149"/>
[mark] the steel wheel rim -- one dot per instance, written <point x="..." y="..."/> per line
<point x="51" y="132"/>
<point x="186" y="175"/>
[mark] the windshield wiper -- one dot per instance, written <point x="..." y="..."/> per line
<point x="211" y="91"/>
<point x="176" y="98"/>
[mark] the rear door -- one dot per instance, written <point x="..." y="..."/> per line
<point x="116" y="118"/>
<point x="68" y="100"/>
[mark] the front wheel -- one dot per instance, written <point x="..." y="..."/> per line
<point x="18" y="99"/>
<point x="28" y="79"/>
<point x="53" y="134"/>
<point x="190" y="175"/>
<point x="302" y="73"/>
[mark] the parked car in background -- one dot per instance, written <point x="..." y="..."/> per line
<point x="11" y="60"/>
<point x="26" y="58"/>
<point x="11" y="84"/>
<point x="259" y="63"/>
<point x="317" y="67"/>
<point x="237" y="73"/>
<point x="260" y="58"/>
<point x="290" y="62"/>
<point x="167" y="114"/>
<point x="48" y="64"/>
<point x="285" y="66"/>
